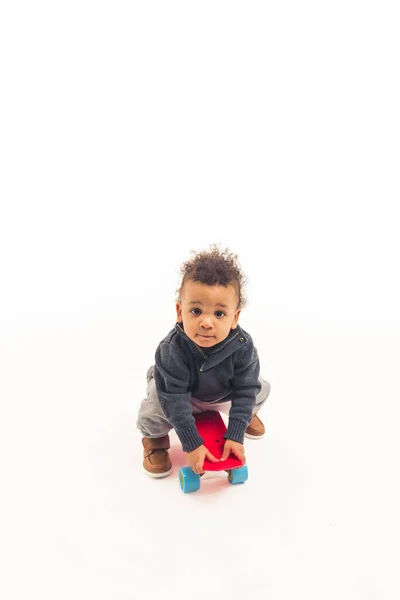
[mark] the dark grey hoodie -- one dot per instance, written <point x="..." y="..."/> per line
<point x="229" y="370"/>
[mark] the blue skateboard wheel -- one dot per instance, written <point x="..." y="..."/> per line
<point x="188" y="480"/>
<point x="239" y="475"/>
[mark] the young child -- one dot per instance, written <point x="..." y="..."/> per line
<point x="206" y="362"/>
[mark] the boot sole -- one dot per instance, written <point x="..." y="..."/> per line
<point x="254" y="437"/>
<point x="157" y="475"/>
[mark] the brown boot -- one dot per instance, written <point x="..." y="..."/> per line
<point x="156" y="461"/>
<point x="256" y="429"/>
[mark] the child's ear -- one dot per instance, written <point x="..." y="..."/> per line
<point x="179" y="312"/>
<point x="235" y="320"/>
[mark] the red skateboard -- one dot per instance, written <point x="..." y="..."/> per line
<point x="211" y="428"/>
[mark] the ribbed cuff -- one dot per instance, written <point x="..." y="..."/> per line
<point x="235" y="431"/>
<point x="189" y="438"/>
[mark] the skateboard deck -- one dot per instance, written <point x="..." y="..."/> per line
<point x="212" y="429"/>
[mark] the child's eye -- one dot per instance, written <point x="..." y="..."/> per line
<point x="196" y="311"/>
<point x="219" y="314"/>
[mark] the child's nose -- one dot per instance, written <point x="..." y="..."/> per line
<point x="207" y="322"/>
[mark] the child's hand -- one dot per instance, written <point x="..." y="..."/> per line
<point x="236" y="449"/>
<point x="196" y="458"/>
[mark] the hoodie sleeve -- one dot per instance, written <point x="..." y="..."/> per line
<point x="244" y="390"/>
<point x="172" y="376"/>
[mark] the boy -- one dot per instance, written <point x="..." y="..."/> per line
<point x="207" y="362"/>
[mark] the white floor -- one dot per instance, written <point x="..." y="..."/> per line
<point x="318" y="517"/>
<point x="132" y="133"/>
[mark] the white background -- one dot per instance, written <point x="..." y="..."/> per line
<point x="132" y="133"/>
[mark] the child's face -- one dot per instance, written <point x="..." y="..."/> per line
<point x="208" y="312"/>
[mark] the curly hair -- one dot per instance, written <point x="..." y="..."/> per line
<point x="214" y="267"/>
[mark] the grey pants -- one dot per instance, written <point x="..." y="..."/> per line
<point x="153" y="423"/>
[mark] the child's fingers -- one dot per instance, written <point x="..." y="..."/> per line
<point x="224" y="456"/>
<point x="198" y="467"/>
<point x="229" y="448"/>
<point x="226" y="452"/>
<point x="237" y="450"/>
<point x="211" y="457"/>
<point x="240" y="455"/>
